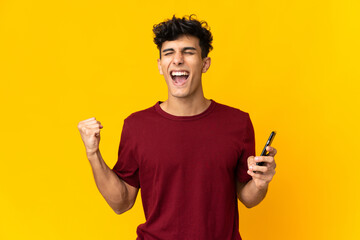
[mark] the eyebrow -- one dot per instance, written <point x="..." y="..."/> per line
<point x="184" y="49"/>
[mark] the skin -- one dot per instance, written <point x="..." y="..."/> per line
<point x="118" y="194"/>
<point x="254" y="191"/>
<point x="183" y="53"/>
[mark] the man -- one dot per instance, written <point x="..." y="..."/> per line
<point x="192" y="157"/>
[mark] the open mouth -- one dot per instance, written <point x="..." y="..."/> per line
<point x="179" y="77"/>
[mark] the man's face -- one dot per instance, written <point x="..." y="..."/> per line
<point x="182" y="66"/>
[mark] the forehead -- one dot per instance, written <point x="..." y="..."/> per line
<point x="182" y="41"/>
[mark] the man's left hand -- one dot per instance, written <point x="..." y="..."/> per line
<point x="262" y="175"/>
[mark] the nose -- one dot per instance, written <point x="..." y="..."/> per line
<point x="178" y="58"/>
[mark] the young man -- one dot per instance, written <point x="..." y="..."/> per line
<point x="191" y="156"/>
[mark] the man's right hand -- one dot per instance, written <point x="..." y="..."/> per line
<point x="90" y="134"/>
<point x="117" y="193"/>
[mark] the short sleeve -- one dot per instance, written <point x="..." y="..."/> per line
<point x="126" y="166"/>
<point x="248" y="149"/>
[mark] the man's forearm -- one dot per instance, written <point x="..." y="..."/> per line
<point x="109" y="184"/>
<point x="249" y="194"/>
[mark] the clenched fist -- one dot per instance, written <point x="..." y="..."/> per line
<point x="90" y="134"/>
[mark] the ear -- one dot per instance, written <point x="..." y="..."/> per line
<point x="206" y="64"/>
<point x="159" y="66"/>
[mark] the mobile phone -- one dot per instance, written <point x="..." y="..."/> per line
<point x="268" y="143"/>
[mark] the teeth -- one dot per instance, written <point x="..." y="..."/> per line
<point x="179" y="73"/>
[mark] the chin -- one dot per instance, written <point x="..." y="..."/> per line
<point x="180" y="95"/>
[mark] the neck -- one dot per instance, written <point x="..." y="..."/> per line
<point x="185" y="106"/>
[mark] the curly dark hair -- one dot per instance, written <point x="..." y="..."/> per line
<point x="172" y="29"/>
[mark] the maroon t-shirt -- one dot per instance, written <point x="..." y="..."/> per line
<point x="187" y="168"/>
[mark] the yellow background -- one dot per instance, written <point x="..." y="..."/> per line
<point x="293" y="65"/>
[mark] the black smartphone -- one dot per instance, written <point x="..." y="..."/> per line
<point x="268" y="143"/>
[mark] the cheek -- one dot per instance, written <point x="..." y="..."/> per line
<point x="197" y="66"/>
<point x="164" y="67"/>
<point x="197" y="71"/>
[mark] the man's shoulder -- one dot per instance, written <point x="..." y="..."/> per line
<point x="229" y="110"/>
<point x="141" y="115"/>
<point x="150" y="114"/>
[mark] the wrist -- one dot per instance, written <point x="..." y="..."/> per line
<point x="92" y="154"/>
<point x="261" y="187"/>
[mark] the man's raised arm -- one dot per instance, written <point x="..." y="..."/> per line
<point x="117" y="193"/>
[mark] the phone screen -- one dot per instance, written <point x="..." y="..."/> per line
<point x="268" y="143"/>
